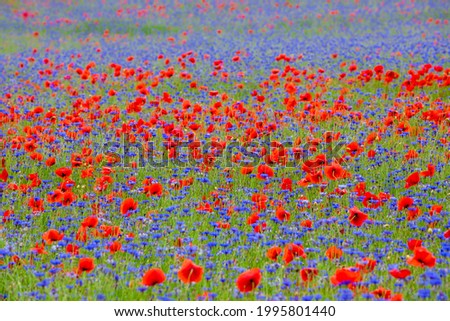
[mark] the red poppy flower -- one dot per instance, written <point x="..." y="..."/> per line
<point x="264" y="172"/>
<point x="90" y="221"/>
<point x="223" y="225"/>
<point x="412" y="180"/>
<point x="52" y="236"/>
<point x="422" y="258"/>
<point x="308" y="274"/>
<point x="81" y="234"/>
<point x="397" y="297"/>
<point x="429" y="172"/>
<point x="274" y="252"/>
<point x="286" y="184"/>
<point x="37" y="205"/>
<point x="360" y="189"/>
<point x="413" y="243"/>
<point x="153" y="189"/>
<point x="384" y="197"/>
<point x="128" y="205"/>
<point x="68" y="198"/>
<point x="367" y="265"/>
<point x="315" y="177"/>
<point x="39" y="248"/>
<point x="306" y="224"/>
<point x="246" y="170"/>
<point x="252" y="219"/>
<point x="260" y="227"/>
<point x="354" y="149"/>
<point x="204" y="208"/>
<point x="72" y="249"/>
<point x="153" y="276"/>
<point x="400" y="274"/>
<point x="371" y="200"/>
<point x="411" y="154"/>
<point x="413" y="214"/>
<point x="85" y="265"/>
<point x="66" y="186"/>
<point x="382" y="293"/>
<point x="447" y="234"/>
<point x="333" y="252"/>
<point x="405" y="202"/>
<point x="248" y="280"/>
<point x="114" y="247"/>
<point x="63" y="172"/>
<point x="56" y="196"/>
<point x="282" y="214"/>
<point x="305" y="97"/>
<point x="291" y="251"/>
<point x="345" y="276"/>
<point x="107" y="230"/>
<point x="260" y="200"/>
<point x="356" y="217"/>
<point x="334" y="171"/>
<point x="50" y="161"/>
<point x="436" y="209"/>
<point x="6" y="215"/>
<point x="189" y="272"/>
<point x="4" y="175"/>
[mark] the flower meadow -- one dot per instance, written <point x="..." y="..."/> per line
<point x="224" y="150"/>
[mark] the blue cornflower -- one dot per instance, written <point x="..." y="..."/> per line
<point x="424" y="293"/>
<point x="344" y="295"/>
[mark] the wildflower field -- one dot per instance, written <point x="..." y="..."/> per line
<point x="224" y="150"/>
